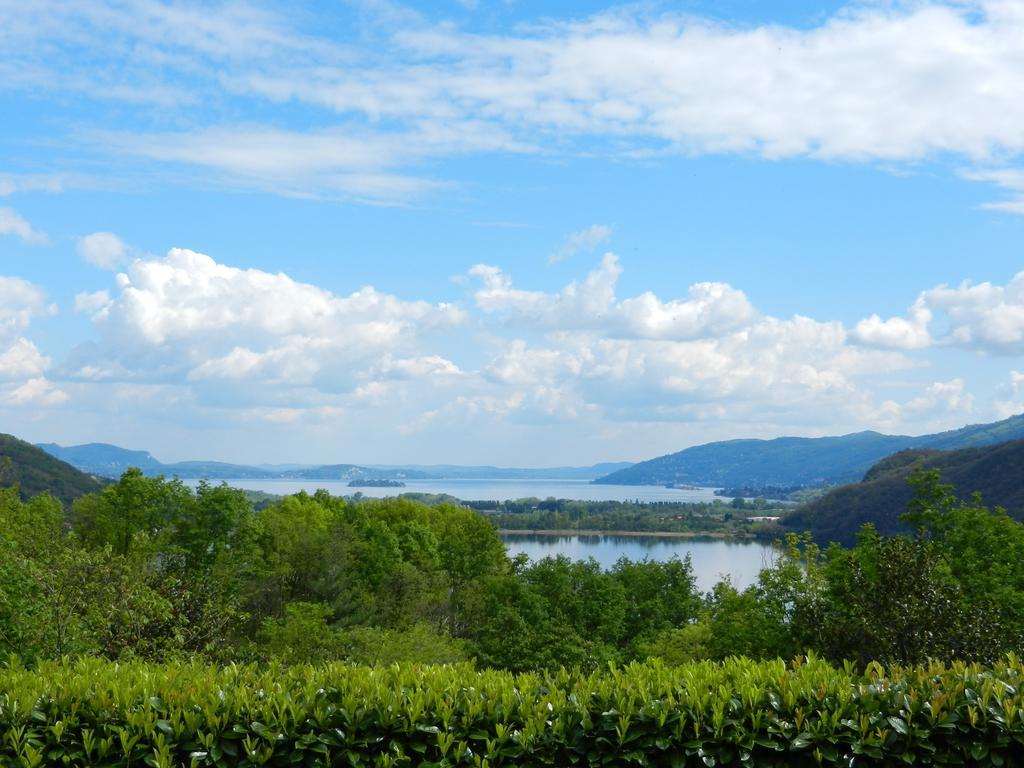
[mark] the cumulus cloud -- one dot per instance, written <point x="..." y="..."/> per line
<point x="104" y="250"/>
<point x="35" y="392"/>
<point x="20" y="301"/>
<point x="710" y="308"/>
<point x="261" y="346"/>
<point x="981" y="317"/>
<point x="21" y="360"/>
<point x="642" y="358"/>
<point x="187" y="315"/>
<point x="246" y="341"/>
<point x="11" y="223"/>
<point x="584" y="240"/>
<point x="22" y="365"/>
<point x="910" y="332"/>
<point x="940" y="399"/>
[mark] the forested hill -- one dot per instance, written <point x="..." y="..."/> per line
<point x="789" y="461"/>
<point x="36" y="471"/>
<point x="996" y="471"/>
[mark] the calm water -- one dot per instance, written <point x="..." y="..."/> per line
<point x="490" y="490"/>
<point x="712" y="559"/>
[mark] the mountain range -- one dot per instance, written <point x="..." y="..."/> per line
<point x="110" y="461"/>
<point x="994" y="471"/>
<point x="800" y="461"/>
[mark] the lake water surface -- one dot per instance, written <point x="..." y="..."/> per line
<point x="712" y="559"/>
<point x="489" y="490"/>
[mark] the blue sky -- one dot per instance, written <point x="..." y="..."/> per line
<point x="479" y="233"/>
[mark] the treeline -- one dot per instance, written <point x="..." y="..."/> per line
<point x="715" y="517"/>
<point x="151" y="569"/>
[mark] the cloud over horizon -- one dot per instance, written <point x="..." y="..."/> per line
<point x="280" y="351"/>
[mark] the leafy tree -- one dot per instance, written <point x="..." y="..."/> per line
<point x="658" y="596"/>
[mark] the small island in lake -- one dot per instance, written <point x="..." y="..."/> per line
<point x="376" y="483"/>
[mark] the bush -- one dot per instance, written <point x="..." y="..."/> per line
<point x="739" y="712"/>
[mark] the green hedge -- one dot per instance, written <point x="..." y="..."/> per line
<point x="95" y="713"/>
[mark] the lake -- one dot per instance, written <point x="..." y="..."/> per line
<point x="712" y="558"/>
<point x="489" y="490"/>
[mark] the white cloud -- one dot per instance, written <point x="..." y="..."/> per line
<point x="418" y="367"/>
<point x="21" y="360"/>
<point x="22" y="365"/>
<point x="11" y="183"/>
<point x="90" y="303"/>
<point x="104" y="250"/>
<point x="873" y="82"/>
<point x="981" y="317"/>
<point x="190" y="318"/>
<point x="643" y="359"/>
<point x="245" y="341"/>
<point x="188" y="295"/>
<point x="11" y="223"/>
<point x="984" y="316"/>
<point x="710" y="308"/>
<point x="20" y="301"/>
<point x="1009" y="179"/>
<point x="909" y="332"/>
<point x="860" y="85"/>
<point x="585" y="240"/>
<point x="941" y="399"/>
<point x="1009" y="400"/>
<point x="35" y="392"/>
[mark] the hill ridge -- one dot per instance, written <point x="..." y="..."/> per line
<point x="795" y="461"/>
<point x="995" y="471"/>
<point x="35" y="471"/>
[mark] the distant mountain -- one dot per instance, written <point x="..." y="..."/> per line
<point x="995" y="471"/>
<point x="111" y="461"/>
<point x="457" y="472"/>
<point x="101" y="458"/>
<point x="789" y="461"/>
<point x="35" y="471"/>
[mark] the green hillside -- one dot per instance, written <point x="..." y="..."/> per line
<point x="36" y="471"/>
<point x="996" y="471"/>
<point x="789" y="461"/>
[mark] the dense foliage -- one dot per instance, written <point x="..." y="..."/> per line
<point x="152" y="569"/>
<point x="994" y="471"/>
<point x="799" y="460"/>
<point x="735" y="713"/>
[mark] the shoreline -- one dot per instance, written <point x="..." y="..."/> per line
<point x="656" y="534"/>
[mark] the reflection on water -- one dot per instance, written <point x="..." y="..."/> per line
<point x="713" y="559"/>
